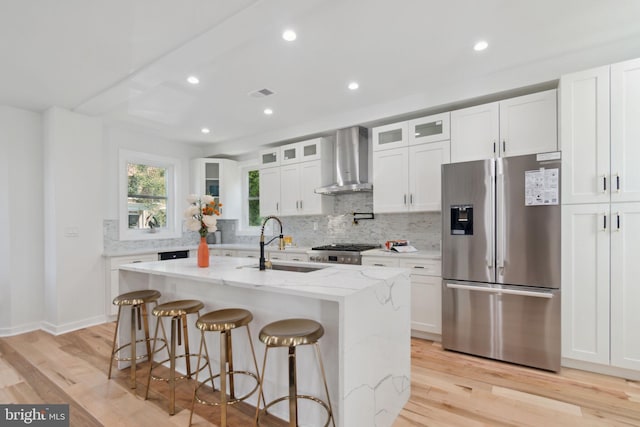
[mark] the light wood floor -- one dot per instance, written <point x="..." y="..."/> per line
<point x="448" y="389"/>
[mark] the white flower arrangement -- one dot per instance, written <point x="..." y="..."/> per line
<point x="201" y="214"/>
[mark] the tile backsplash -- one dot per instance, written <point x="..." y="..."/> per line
<point x="422" y="229"/>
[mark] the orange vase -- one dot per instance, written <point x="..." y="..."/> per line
<point x="203" y="253"/>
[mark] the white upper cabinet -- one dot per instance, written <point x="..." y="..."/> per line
<point x="429" y="129"/>
<point x="269" y="158"/>
<point x="302" y="151"/>
<point x="289" y="188"/>
<point x="390" y="136"/>
<point x="475" y="132"/>
<point x="407" y="178"/>
<point x="269" y="191"/>
<point x="600" y="130"/>
<point x="584" y="136"/>
<point x="625" y="131"/>
<point x="219" y="178"/>
<point x="529" y="124"/>
<point x="425" y="163"/>
<point x="512" y="127"/>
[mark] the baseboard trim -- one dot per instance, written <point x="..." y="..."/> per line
<point x="73" y="326"/>
<point x="628" y="374"/>
<point x="426" y="335"/>
<point x="22" y="329"/>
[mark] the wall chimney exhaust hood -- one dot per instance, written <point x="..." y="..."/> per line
<point x="351" y="161"/>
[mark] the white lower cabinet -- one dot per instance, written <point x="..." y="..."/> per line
<point x="222" y="252"/>
<point x="600" y="289"/>
<point x="426" y="293"/>
<point x="284" y="256"/>
<point x="247" y="254"/>
<point x="113" y="277"/>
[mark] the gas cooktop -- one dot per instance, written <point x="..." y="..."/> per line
<point x="351" y="247"/>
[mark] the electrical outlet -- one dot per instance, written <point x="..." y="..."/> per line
<point x="315" y="226"/>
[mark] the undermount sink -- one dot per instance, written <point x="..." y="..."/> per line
<point x="291" y="267"/>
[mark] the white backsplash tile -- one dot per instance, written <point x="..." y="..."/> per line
<point x="422" y="229"/>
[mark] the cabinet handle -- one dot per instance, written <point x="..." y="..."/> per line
<point x="418" y="266"/>
<point x="277" y="206"/>
<point x="300" y="204"/>
<point x="296" y="204"/>
<point x="405" y="199"/>
<point x="504" y="146"/>
<point x="378" y="265"/>
<point x="604" y="183"/>
<point x="411" y="199"/>
<point x="604" y="217"/>
<point x="617" y="221"/>
<point x="617" y="183"/>
<point x="494" y="147"/>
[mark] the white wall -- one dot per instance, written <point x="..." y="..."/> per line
<point x="117" y="138"/>
<point x="73" y="194"/>
<point x="21" y="221"/>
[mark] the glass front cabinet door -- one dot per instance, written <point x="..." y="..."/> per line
<point x="429" y="129"/>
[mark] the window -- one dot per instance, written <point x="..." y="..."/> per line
<point x="147" y="196"/>
<point x="254" y="198"/>
<point x="251" y="220"/>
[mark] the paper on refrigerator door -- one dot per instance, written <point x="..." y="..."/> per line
<point x="541" y="187"/>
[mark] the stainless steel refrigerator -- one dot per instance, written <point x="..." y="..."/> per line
<point x="501" y="259"/>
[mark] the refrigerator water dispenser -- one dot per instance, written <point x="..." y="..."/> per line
<point x="462" y="220"/>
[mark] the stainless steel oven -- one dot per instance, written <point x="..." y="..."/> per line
<point x="342" y="253"/>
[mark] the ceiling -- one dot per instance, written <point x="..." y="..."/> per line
<point x="127" y="60"/>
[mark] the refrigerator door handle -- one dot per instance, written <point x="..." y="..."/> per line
<point x="491" y="242"/>
<point x="547" y="295"/>
<point x="500" y="219"/>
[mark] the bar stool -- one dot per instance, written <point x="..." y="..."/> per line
<point x="224" y="321"/>
<point x="292" y="333"/>
<point x="138" y="301"/>
<point x="177" y="311"/>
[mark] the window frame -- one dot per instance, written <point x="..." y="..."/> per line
<point x="244" y="229"/>
<point x="172" y="166"/>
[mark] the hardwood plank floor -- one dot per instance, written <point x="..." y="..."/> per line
<point x="448" y="389"/>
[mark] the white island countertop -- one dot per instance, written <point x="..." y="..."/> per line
<point x="365" y="312"/>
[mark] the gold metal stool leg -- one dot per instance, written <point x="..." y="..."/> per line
<point x="260" y="391"/>
<point x="115" y="337"/>
<point x="172" y="365"/>
<point x="293" y="389"/>
<point x="324" y="380"/>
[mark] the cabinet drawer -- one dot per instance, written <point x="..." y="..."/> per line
<point x="116" y="262"/>
<point x="422" y="267"/>
<point x="248" y="254"/>
<point x="222" y="252"/>
<point x="380" y="261"/>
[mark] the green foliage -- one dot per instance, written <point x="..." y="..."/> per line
<point x="254" y="199"/>
<point x="147" y="193"/>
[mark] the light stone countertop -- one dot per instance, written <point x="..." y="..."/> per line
<point x="333" y="282"/>
<point x="420" y="254"/>
<point x="230" y="246"/>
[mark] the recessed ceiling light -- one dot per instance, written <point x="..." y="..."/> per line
<point x="481" y="45"/>
<point x="268" y="111"/>
<point x="193" y="80"/>
<point x="353" y="85"/>
<point x="289" y="35"/>
<point x="205" y="130"/>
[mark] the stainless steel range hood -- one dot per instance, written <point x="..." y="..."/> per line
<point x="351" y="161"/>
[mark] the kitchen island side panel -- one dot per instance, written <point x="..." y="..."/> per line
<point x="366" y="346"/>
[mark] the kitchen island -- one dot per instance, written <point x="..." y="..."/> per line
<point x="365" y="312"/>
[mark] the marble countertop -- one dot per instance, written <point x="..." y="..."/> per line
<point x="421" y="254"/>
<point x="334" y="282"/>
<point x="230" y="246"/>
